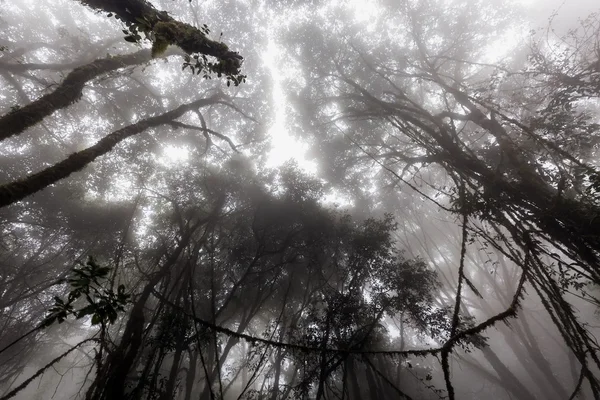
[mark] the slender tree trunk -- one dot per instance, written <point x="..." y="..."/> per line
<point x="509" y="380"/>
<point x="278" y="359"/>
<point x="526" y="350"/>
<point x="355" y="390"/>
<point x="170" y="387"/>
<point x="138" y="392"/>
<point x="323" y="367"/>
<point x="244" y="369"/>
<point x="540" y="360"/>
<point x="290" y="378"/>
<point x="152" y="383"/>
<point x="110" y="380"/>
<point x="191" y="375"/>
<point x="374" y="391"/>
<point x="223" y="355"/>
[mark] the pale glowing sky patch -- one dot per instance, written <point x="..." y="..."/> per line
<point x="284" y="147"/>
<point x="173" y="154"/>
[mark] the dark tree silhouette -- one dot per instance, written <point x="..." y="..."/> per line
<point x="446" y="245"/>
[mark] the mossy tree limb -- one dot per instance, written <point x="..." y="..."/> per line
<point x="18" y="190"/>
<point x="67" y="93"/>
<point x="167" y="29"/>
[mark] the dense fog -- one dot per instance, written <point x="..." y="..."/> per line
<point x="260" y="199"/>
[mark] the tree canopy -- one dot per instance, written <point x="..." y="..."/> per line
<point x="433" y="230"/>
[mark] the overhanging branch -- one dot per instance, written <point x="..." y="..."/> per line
<point x="190" y="39"/>
<point x="18" y="190"/>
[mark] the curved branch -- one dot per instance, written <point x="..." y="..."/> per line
<point x="18" y="190"/>
<point x="206" y="131"/>
<point x="22" y="386"/>
<point x="67" y="93"/>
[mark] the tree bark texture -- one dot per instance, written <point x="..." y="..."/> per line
<point x="185" y="36"/>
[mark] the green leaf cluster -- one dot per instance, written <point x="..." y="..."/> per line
<point x="134" y="31"/>
<point x="199" y="63"/>
<point x="88" y="283"/>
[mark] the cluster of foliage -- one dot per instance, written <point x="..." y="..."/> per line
<point x="101" y="302"/>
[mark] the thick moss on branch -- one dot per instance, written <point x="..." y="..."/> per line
<point x="167" y="29"/>
<point x="67" y="93"/>
<point x="18" y="190"/>
<point x="192" y="40"/>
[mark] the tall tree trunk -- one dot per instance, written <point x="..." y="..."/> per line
<point x="352" y="378"/>
<point x="110" y="380"/>
<point x="191" y="375"/>
<point x="278" y="359"/>
<point x="540" y="360"/>
<point x="323" y="374"/>
<point x="138" y="392"/>
<point x="152" y="383"/>
<point x="509" y="380"/>
<point x="170" y="387"/>
<point x="527" y="351"/>
<point x="244" y="369"/>
<point x="373" y="391"/>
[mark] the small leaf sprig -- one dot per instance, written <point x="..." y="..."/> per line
<point x="88" y="282"/>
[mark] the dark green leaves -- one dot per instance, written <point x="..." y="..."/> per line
<point x="58" y="312"/>
<point x="88" y="285"/>
<point x="132" y="38"/>
<point x="200" y="63"/>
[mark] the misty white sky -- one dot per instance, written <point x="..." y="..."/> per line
<point x="537" y="12"/>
